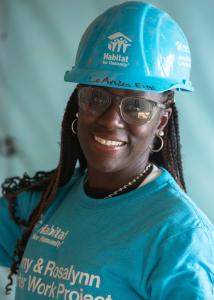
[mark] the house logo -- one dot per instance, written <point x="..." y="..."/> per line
<point x="49" y="234"/>
<point x="118" y="44"/>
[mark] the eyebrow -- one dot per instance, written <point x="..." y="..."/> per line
<point x="127" y="92"/>
<point x="164" y="95"/>
<point x="141" y="94"/>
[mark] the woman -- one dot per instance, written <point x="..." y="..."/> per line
<point x="120" y="226"/>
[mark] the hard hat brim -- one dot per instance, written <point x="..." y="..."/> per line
<point x="112" y="79"/>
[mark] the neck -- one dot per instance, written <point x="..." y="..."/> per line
<point x="110" y="181"/>
<point x="127" y="187"/>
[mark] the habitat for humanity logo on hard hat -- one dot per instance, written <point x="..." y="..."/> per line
<point x="118" y="44"/>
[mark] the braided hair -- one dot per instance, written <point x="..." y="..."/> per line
<point x="70" y="152"/>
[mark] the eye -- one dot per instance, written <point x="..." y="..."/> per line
<point x="99" y="99"/>
<point x="136" y="109"/>
<point x="137" y="105"/>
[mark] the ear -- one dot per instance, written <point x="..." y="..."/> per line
<point x="164" y="118"/>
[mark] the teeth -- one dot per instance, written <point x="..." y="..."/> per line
<point x="107" y="142"/>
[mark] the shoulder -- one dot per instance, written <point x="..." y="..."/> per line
<point x="184" y="208"/>
<point x="27" y="201"/>
<point x="170" y="210"/>
<point x="24" y="205"/>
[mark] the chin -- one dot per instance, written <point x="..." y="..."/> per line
<point x="104" y="167"/>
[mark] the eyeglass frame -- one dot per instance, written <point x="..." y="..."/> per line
<point x="111" y="96"/>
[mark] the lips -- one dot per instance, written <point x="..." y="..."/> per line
<point x="108" y="142"/>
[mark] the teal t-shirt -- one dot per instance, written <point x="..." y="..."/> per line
<point x="151" y="243"/>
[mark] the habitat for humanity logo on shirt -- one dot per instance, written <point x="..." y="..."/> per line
<point x="49" y="234"/>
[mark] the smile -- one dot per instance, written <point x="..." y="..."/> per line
<point x="108" y="142"/>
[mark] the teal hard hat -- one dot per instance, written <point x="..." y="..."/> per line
<point x="136" y="46"/>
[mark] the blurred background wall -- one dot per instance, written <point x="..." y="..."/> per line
<point x="38" y="42"/>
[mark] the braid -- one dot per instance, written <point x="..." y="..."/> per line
<point x="170" y="156"/>
<point x="47" y="182"/>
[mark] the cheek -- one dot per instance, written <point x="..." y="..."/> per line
<point x="84" y="118"/>
<point x="84" y="122"/>
<point x="83" y="131"/>
<point x="142" y="136"/>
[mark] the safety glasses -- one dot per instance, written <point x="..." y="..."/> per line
<point x="133" y="109"/>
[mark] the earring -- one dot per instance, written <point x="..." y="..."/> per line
<point x="159" y="135"/>
<point x="72" y="124"/>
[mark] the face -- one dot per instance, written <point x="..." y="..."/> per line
<point x="112" y="145"/>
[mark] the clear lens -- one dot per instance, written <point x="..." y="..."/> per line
<point x="136" y="110"/>
<point x="93" y="101"/>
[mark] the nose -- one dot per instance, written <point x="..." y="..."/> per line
<point x="111" y="118"/>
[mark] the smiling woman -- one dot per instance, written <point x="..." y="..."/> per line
<point x="114" y="137"/>
<point x="120" y="225"/>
